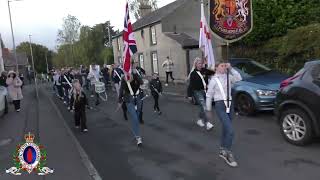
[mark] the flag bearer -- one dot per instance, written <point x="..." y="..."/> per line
<point x="131" y="94"/>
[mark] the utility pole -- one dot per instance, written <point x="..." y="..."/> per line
<point x="34" y="70"/>
<point x="47" y="62"/>
<point x="13" y="42"/>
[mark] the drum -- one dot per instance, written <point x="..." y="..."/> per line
<point x="100" y="87"/>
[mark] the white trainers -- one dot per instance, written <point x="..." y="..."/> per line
<point x="209" y="126"/>
<point x="200" y="123"/>
<point x="166" y="84"/>
<point x="85" y="130"/>
<point x="139" y="141"/>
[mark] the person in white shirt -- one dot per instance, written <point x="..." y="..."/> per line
<point x="94" y="76"/>
<point x="218" y="89"/>
<point x="168" y="66"/>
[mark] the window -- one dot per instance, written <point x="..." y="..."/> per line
<point x="118" y="43"/>
<point x="154" y="58"/>
<point x="141" y="61"/>
<point x="119" y="60"/>
<point x="153" y="35"/>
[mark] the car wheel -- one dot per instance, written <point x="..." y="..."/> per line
<point x="295" y="126"/>
<point x="245" y="105"/>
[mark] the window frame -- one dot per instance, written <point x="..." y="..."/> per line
<point x="155" y="35"/>
<point x="152" y="62"/>
<point x="139" y="57"/>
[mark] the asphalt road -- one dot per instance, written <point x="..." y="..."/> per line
<point x="176" y="149"/>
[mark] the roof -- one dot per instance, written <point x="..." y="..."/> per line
<point x="9" y="60"/>
<point x="155" y="16"/>
<point x="187" y="42"/>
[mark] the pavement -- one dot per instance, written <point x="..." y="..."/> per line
<point x="42" y="119"/>
<point x="174" y="147"/>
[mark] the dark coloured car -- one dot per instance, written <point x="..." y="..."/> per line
<point x="298" y="103"/>
<point x="259" y="87"/>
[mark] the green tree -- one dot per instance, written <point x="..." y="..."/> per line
<point x="135" y="6"/>
<point x="69" y="34"/>
<point x="39" y="55"/>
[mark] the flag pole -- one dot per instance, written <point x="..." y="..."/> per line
<point x="228" y="83"/>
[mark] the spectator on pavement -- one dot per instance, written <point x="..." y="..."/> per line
<point x="218" y="90"/>
<point x="168" y="66"/>
<point x="14" y="89"/>
<point x="3" y="80"/>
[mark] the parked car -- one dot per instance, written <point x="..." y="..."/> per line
<point x="259" y="87"/>
<point x="297" y="105"/>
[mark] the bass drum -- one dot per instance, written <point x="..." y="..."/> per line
<point x="100" y="87"/>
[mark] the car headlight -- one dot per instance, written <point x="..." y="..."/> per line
<point x="261" y="92"/>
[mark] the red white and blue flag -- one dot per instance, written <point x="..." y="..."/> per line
<point x="130" y="46"/>
<point x="205" y="43"/>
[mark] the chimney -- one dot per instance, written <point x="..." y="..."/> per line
<point x="145" y="9"/>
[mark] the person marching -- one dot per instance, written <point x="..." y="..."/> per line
<point x="131" y="94"/>
<point x="78" y="103"/>
<point x="198" y="86"/>
<point x="156" y="91"/>
<point x="168" y="66"/>
<point x="94" y="77"/>
<point x="219" y="89"/>
<point x="117" y="73"/>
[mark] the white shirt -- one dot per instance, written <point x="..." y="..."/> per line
<point x="214" y="91"/>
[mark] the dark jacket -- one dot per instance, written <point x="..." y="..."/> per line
<point x="115" y="77"/>
<point x="124" y="94"/>
<point x="64" y="81"/>
<point x="196" y="81"/>
<point x="141" y="70"/>
<point x="78" y="101"/>
<point x="3" y="80"/>
<point x="155" y="86"/>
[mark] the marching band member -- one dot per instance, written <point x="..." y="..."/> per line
<point x="156" y="90"/>
<point x="198" y="86"/>
<point x="131" y="94"/>
<point x="94" y="76"/>
<point x="219" y="90"/>
<point x="78" y="103"/>
<point x="117" y="74"/>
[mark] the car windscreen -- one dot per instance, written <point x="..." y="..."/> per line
<point x="251" y="68"/>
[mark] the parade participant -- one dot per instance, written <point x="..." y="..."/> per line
<point x="14" y="89"/>
<point x="117" y="74"/>
<point x="130" y="94"/>
<point x="198" y="86"/>
<point x="105" y="74"/>
<point x="144" y="87"/>
<point x="219" y="90"/>
<point x="67" y="78"/>
<point x="56" y="83"/>
<point x="78" y="103"/>
<point x="168" y="66"/>
<point x="156" y="91"/>
<point x="94" y="76"/>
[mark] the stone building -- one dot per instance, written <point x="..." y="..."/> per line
<point x="173" y="31"/>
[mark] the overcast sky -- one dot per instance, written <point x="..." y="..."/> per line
<point x="43" y="18"/>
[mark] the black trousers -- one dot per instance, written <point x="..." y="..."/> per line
<point x="80" y="119"/>
<point x="167" y="75"/>
<point x="156" y="102"/>
<point x="60" y="90"/>
<point x="16" y="104"/>
<point x="5" y="105"/>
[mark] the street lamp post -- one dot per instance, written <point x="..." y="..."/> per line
<point x="13" y="42"/>
<point x="34" y="70"/>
